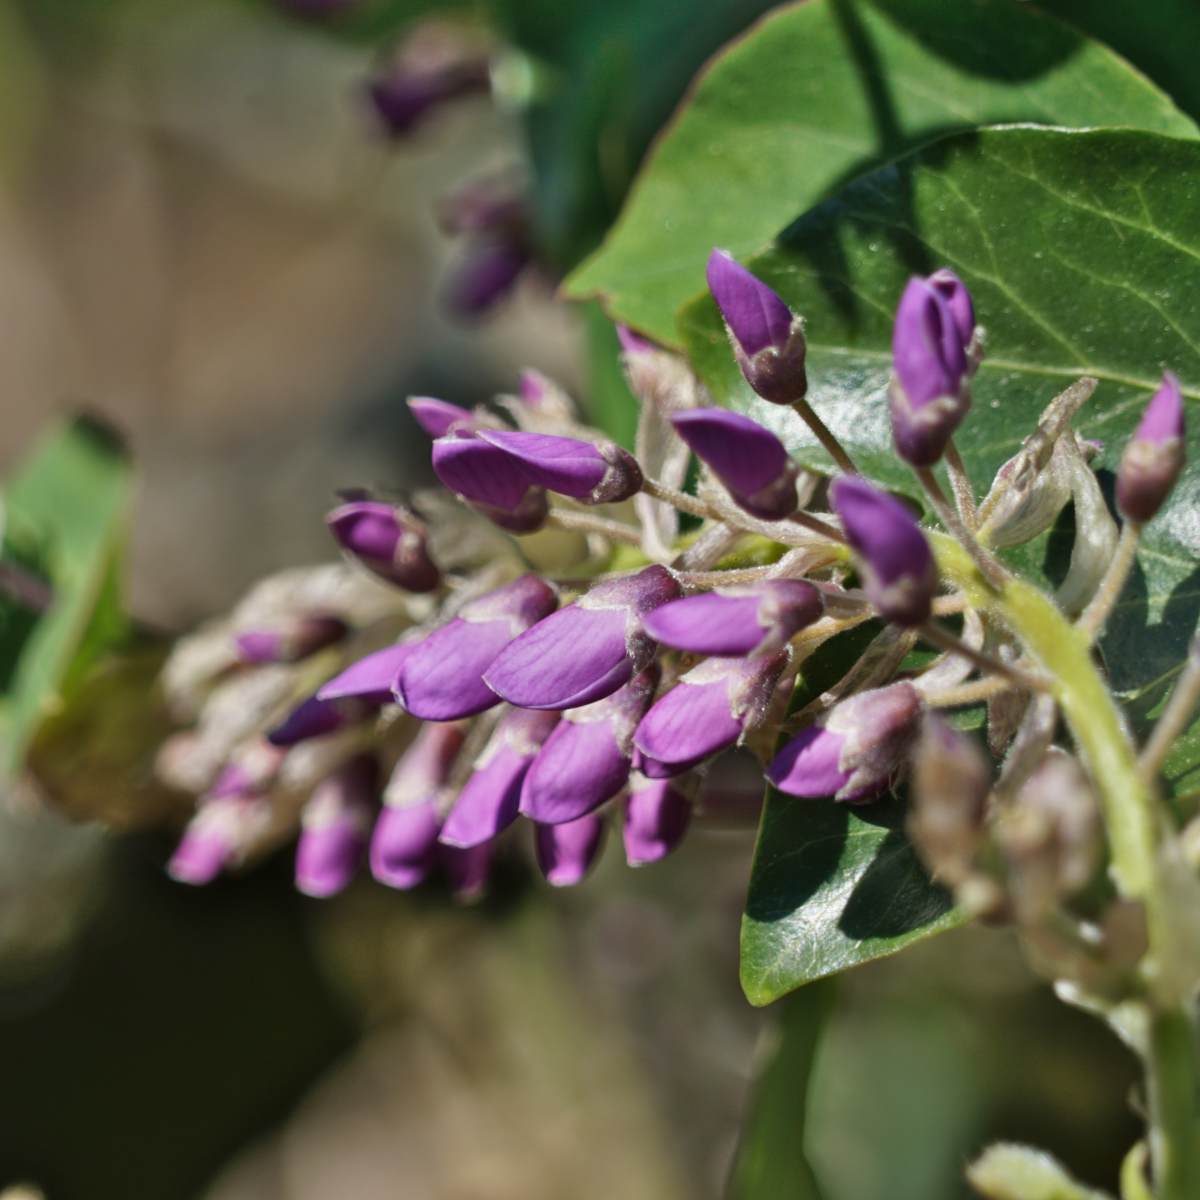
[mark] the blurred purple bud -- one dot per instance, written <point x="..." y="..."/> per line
<point x="898" y="570"/>
<point x="958" y="303"/>
<point x="592" y="474"/>
<point x="333" y="827"/>
<point x="928" y="395"/>
<point x="387" y="543"/>
<point x="215" y="838"/>
<point x="492" y="480"/>
<point x="486" y="275"/>
<point x="1154" y="457"/>
<point x="488" y="803"/>
<point x="534" y="387"/>
<point x="585" y="761"/>
<point x="467" y="869"/>
<point x="314" y="718"/>
<point x="633" y="342"/>
<point x="657" y="815"/>
<point x="406" y="94"/>
<point x="373" y="678"/>
<point x="295" y="640"/>
<point x="768" y="338"/>
<point x="855" y="751"/>
<point x="252" y="770"/>
<point x="404" y="844"/>
<point x="565" y="853"/>
<point x="749" y="460"/>
<point x="587" y="650"/>
<point x="708" y="710"/>
<point x="736" y="621"/>
<point x="440" y="417"/>
<point x="442" y="679"/>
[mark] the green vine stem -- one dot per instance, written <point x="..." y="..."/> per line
<point x="1132" y="818"/>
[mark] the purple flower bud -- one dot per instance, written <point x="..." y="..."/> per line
<point x="387" y="544"/>
<point x="749" y="460"/>
<point x="488" y="803"/>
<point x="565" y="853"/>
<point x="585" y="761"/>
<point x="467" y="869"/>
<point x="314" y="718"/>
<point x="333" y="827"/>
<point x="592" y="474"/>
<point x="215" y="837"/>
<point x="587" y="650"/>
<point x="855" y="751"/>
<point x="708" y="710"/>
<point x="534" y="387"/>
<point x="404" y="96"/>
<point x="493" y="481"/>
<point x="487" y="206"/>
<point x="1154" y="457"/>
<point x="656" y="818"/>
<point x="291" y="642"/>
<point x="958" y="303"/>
<point x="439" y="417"/>
<point x="768" y="339"/>
<point x="488" y="273"/>
<point x="736" y="621"/>
<point x="404" y="841"/>
<point x="898" y="570"/>
<point x="373" y="678"/>
<point x="442" y="679"/>
<point x="651" y="768"/>
<point x="633" y="343"/>
<point x="928" y="398"/>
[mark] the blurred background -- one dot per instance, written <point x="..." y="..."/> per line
<point x="207" y="237"/>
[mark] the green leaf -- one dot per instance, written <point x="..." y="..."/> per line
<point x="771" y="1163"/>
<point x="71" y="501"/>
<point x="612" y="407"/>
<point x="1082" y="250"/>
<point x="832" y="885"/>
<point x="821" y="92"/>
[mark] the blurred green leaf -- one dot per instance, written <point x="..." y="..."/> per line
<point x="832" y="885"/>
<point x="771" y="1162"/>
<point x="71" y="501"/>
<point x="611" y="405"/>
<point x="1009" y="1172"/>
<point x="820" y="93"/>
<point x="1082" y="250"/>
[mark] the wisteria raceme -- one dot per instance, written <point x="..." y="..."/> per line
<point x="603" y="671"/>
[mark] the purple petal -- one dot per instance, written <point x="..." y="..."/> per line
<point x="958" y="303"/>
<point x="656" y="819"/>
<point x="651" y="768"/>
<point x="901" y="576"/>
<point x="404" y="844"/>
<point x="745" y="456"/>
<point x="373" y="677"/>
<point x="297" y="640"/>
<point x="439" y="417"/>
<point x="392" y="548"/>
<point x="580" y="767"/>
<point x="315" y="718"/>
<point x="423" y="768"/>
<point x="1163" y="419"/>
<point x="562" y="464"/>
<point x="480" y="472"/>
<point x="809" y="764"/>
<point x="488" y="273"/>
<point x="1154" y="457"/>
<point x="565" y="853"/>
<point x="259" y="646"/>
<point x="487" y="805"/>
<point x="927" y="354"/>
<point x="632" y="342"/>
<point x="202" y="854"/>
<point x="334" y="825"/>
<point x="689" y="723"/>
<point x="757" y="316"/>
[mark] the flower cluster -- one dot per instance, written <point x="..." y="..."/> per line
<point x="521" y="655"/>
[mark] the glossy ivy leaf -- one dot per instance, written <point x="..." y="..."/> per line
<point x="832" y="885"/>
<point x="66" y="511"/>
<point x="824" y="91"/>
<point x="771" y="1162"/>
<point x="1082" y="250"/>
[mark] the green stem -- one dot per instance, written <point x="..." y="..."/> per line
<point x="1175" y="1136"/>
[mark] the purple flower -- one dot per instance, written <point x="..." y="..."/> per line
<point x="587" y="650"/>
<point x="216" y="837"/>
<point x="855" y="751"/>
<point x="296" y="639"/>
<point x="749" y="460"/>
<point x="898" y="570"/>
<point x="633" y="343"/>
<point x="708" y="710"/>
<point x="440" y="417"/>
<point x="388" y="545"/>
<point x="488" y="802"/>
<point x="487" y="274"/>
<point x="585" y="761"/>
<point x="592" y="474"/>
<point x="404" y="841"/>
<point x="565" y="853"/>
<point x="406" y="95"/>
<point x="493" y="481"/>
<point x="442" y="679"/>
<point x="314" y="718"/>
<point x="768" y="339"/>
<point x="657" y="815"/>
<point x="928" y="397"/>
<point x="736" y="621"/>
<point x="373" y="677"/>
<point x="333" y="827"/>
<point x="958" y="303"/>
<point x="1154" y="457"/>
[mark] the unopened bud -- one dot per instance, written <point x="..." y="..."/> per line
<point x="292" y="641"/>
<point x="592" y="473"/>
<point x="389" y="543"/>
<point x="1154" y="456"/>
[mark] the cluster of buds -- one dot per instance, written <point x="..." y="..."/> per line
<point x="521" y="657"/>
